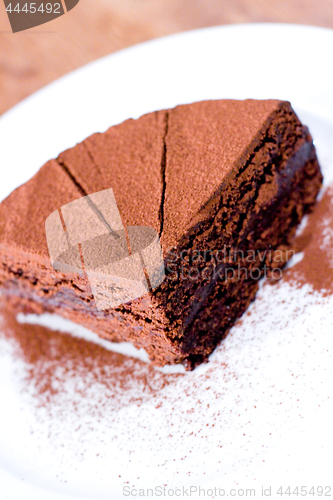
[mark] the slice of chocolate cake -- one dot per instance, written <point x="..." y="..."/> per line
<point x="223" y="183"/>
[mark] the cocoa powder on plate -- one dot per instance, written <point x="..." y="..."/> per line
<point x="316" y="242"/>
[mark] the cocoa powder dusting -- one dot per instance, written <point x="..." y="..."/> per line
<point x="316" y="242"/>
<point x="52" y="358"/>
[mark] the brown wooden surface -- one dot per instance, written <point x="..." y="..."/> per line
<point x="94" y="28"/>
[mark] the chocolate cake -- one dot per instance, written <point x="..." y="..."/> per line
<point x="223" y="183"/>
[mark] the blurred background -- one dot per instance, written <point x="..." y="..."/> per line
<point x="31" y="59"/>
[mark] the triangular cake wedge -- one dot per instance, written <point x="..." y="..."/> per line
<point x="223" y="183"/>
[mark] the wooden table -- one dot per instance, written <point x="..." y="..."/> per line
<point x="31" y="59"/>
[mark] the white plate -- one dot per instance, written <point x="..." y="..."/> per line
<point x="254" y="441"/>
